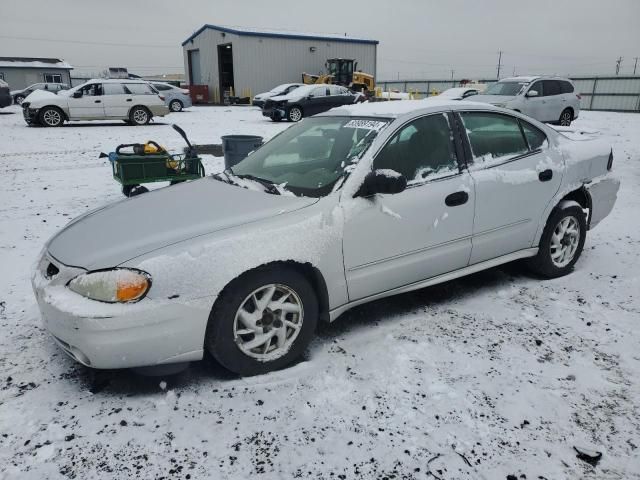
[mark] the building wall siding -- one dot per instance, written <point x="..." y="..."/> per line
<point x="260" y="63"/>
<point x="22" y="77"/>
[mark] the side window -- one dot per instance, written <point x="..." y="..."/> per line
<point x="336" y="90"/>
<point x="535" y="137"/>
<point x="566" y="87"/>
<point x="538" y="87"/>
<point x="92" y="90"/>
<point x="113" y="89"/>
<point x="138" y="89"/>
<point x="494" y="138"/>
<point x="551" y="87"/>
<point x="320" y="92"/>
<point x="422" y="150"/>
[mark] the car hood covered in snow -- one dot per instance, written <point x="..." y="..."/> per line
<point x="493" y="99"/>
<point x="118" y="232"/>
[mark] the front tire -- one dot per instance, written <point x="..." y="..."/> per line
<point x="262" y="321"/>
<point x="176" y="106"/>
<point x="566" y="117"/>
<point x="294" y="114"/>
<point x="139" y="116"/>
<point x="562" y="241"/>
<point x="51" y="117"/>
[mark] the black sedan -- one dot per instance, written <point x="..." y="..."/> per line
<point x="5" y="97"/>
<point x="306" y="101"/>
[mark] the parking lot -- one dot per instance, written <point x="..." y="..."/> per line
<point x="491" y="375"/>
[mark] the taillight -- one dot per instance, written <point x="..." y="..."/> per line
<point x="610" y="162"/>
<point x="579" y="96"/>
<point x="161" y="97"/>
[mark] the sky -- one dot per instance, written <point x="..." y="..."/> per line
<point x="418" y="38"/>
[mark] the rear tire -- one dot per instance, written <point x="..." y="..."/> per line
<point x="176" y="106"/>
<point x="566" y="117"/>
<point x="139" y="115"/>
<point x="245" y="321"/>
<point x="562" y="241"/>
<point x="133" y="190"/>
<point x="51" y="117"/>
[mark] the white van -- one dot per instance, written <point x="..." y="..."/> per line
<point x="134" y="101"/>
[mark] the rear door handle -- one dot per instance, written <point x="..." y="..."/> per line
<point x="129" y="99"/>
<point x="545" y="175"/>
<point x="97" y="101"/>
<point x="455" y="199"/>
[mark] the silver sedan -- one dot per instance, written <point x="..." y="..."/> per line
<point x="356" y="204"/>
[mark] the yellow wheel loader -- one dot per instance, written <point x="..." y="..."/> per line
<point x="341" y="71"/>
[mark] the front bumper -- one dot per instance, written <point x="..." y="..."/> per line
<point x="603" y="192"/>
<point x="102" y="335"/>
<point x="276" y="113"/>
<point x="258" y="103"/>
<point x="30" y="114"/>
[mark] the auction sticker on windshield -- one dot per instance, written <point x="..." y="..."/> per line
<point x="366" y="124"/>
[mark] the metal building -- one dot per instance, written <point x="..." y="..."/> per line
<point x="254" y="61"/>
<point x="20" y="72"/>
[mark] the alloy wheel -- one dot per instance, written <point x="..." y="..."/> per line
<point x="564" y="241"/>
<point x="52" y="117"/>
<point x="140" y="116"/>
<point x="175" y="106"/>
<point x="565" y="119"/>
<point x="268" y="322"/>
<point x="295" y="115"/>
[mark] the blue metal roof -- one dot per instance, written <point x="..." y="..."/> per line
<point x="274" y="34"/>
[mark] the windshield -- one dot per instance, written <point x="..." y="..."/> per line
<point x="506" y="88"/>
<point x="310" y="157"/>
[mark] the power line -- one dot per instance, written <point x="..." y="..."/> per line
<point x="87" y="42"/>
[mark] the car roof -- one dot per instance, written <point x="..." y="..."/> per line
<point x="398" y="108"/>
<point x="116" y="80"/>
<point x="529" y="79"/>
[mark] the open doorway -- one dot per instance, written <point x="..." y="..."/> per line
<point x="225" y="69"/>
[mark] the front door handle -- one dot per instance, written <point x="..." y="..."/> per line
<point x="545" y="175"/>
<point x="96" y="101"/>
<point x="455" y="199"/>
<point x="129" y="99"/>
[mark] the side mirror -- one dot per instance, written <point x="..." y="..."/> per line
<point x="77" y="94"/>
<point x="382" y="181"/>
<point x="532" y="93"/>
<point x="310" y="96"/>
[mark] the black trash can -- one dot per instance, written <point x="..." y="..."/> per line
<point x="237" y="147"/>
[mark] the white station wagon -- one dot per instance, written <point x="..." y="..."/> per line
<point x="349" y="206"/>
<point x="134" y="101"/>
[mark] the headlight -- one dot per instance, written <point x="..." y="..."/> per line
<point x="120" y="285"/>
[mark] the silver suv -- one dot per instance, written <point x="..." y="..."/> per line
<point x="547" y="99"/>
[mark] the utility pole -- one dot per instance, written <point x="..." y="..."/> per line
<point x="452" y="72"/>
<point x="618" y="63"/>
<point x="635" y="65"/>
<point x="499" y="63"/>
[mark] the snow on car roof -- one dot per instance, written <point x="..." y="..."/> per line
<point x="396" y="108"/>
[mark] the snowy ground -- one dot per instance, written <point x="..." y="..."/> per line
<point x="493" y="375"/>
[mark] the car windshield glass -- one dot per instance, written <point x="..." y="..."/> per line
<point x="506" y="88"/>
<point x="310" y="157"/>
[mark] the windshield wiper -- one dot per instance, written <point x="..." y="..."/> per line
<point x="270" y="186"/>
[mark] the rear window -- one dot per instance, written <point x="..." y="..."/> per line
<point x="566" y="87"/>
<point x="159" y="86"/>
<point x="139" y="89"/>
